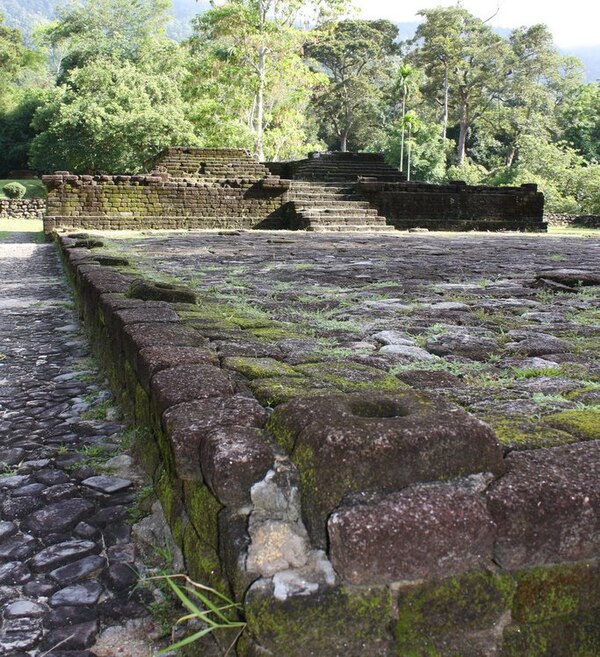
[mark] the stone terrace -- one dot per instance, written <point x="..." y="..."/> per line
<point x="418" y="528"/>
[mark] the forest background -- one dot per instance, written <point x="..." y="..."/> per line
<point x="107" y="84"/>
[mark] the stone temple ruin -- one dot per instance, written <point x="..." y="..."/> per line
<point x="350" y="509"/>
<point x="227" y="189"/>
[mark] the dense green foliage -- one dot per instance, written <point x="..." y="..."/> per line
<point x="14" y="190"/>
<point x="103" y="88"/>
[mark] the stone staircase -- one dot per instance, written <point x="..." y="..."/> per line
<point x="321" y="207"/>
<point x="347" y="167"/>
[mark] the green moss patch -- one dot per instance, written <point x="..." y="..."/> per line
<point x="549" y="591"/>
<point x="351" y="377"/>
<point x="259" y="368"/>
<point x="202" y="509"/>
<point x="520" y="433"/>
<point x="567" y="636"/>
<point x="431" y="615"/>
<point x="337" y="621"/>
<point x="584" y="424"/>
<point x="280" y="389"/>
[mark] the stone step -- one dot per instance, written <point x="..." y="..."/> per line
<point x="342" y="221"/>
<point x="328" y="215"/>
<point x="334" y="186"/>
<point x="367" y="228"/>
<point x="326" y="205"/>
<point x="325" y="198"/>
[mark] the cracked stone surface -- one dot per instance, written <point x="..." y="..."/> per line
<point x="467" y="317"/>
<point x="58" y="581"/>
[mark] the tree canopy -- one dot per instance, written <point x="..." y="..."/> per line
<point x="104" y="88"/>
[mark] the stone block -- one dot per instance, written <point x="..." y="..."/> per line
<point x="456" y="616"/>
<point x="149" y="334"/>
<point x="345" y="444"/>
<point x="547" y="506"/>
<point x="186" y="383"/>
<point x="332" y="621"/>
<point x="187" y="424"/>
<point x="423" y="532"/>
<point x="151" y="360"/>
<point x="559" y="590"/>
<point x="233" y="458"/>
<point x="565" y="636"/>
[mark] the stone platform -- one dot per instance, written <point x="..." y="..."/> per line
<point x="210" y="188"/>
<point x="378" y="444"/>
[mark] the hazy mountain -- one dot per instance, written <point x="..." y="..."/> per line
<point x="25" y="14"/>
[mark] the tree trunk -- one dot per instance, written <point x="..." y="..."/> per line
<point x="510" y="158"/>
<point x="402" y="136"/>
<point x="445" y="104"/>
<point x="344" y="141"/>
<point x="461" y="149"/>
<point x="409" y="152"/>
<point x="260" y="102"/>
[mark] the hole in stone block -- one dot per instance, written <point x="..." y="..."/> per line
<point x="381" y="408"/>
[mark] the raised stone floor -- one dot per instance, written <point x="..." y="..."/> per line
<point x="319" y="450"/>
<point x="485" y="321"/>
<point x="366" y="351"/>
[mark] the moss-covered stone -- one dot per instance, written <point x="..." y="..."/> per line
<point x="435" y="619"/>
<point x="202" y="509"/>
<point x="351" y="377"/>
<point x="521" y="433"/>
<point x="259" y="368"/>
<point x="169" y="492"/>
<point x="278" y="332"/>
<point x="202" y="561"/>
<point x="353" y="623"/>
<point x="279" y="389"/>
<point x="565" y="636"/>
<point x="156" y="291"/>
<point x="584" y="424"/>
<point x="549" y="591"/>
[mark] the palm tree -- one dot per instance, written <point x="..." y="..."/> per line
<point x="404" y="86"/>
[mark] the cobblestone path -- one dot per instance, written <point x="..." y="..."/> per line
<point x="65" y="547"/>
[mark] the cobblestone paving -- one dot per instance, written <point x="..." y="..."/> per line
<point x="65" y="547"/>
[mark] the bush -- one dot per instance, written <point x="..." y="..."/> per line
<point x="14" y="190"/>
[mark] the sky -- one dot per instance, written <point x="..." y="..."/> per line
<point x="574" y="23"/>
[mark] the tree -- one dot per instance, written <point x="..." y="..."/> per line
<point x="404" y="88"/>
<point x="109" y="115"/>
<point x="466" y="66"/>
<point x="258" y="42"/>
<point x="536" y="81"/>
<point x="580" y="120"/>
<point x="107" y="29"/>
<point x="14" y="58"/>
<point x="16" y="132"/>
<point x="354" y="55"/>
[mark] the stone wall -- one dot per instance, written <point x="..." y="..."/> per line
<point x="575" y="220"/>
<point x="460" y="551"/>
<point x="456" y="206"/>
<point x="22" y="208"/>
<point x="227" y="188"/>
<point x="155" y="201"/>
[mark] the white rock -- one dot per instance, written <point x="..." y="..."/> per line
<point x="409" y="352"/>
<point x="393" y="337"/>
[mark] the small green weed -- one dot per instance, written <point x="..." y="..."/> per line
<point x="205" y="605"/>
<point x="533" y="372"/>
<point x="98" y="412"/>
